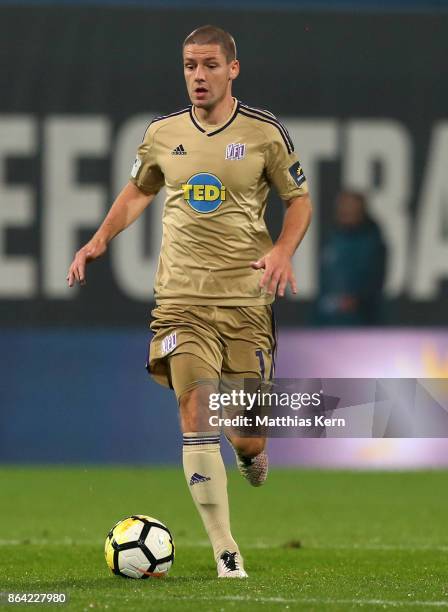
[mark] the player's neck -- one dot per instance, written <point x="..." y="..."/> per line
<point x="216" y="115"/>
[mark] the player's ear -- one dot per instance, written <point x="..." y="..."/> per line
<point x="234" y="69"/>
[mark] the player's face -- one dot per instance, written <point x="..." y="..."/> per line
<point x="208" y="75"/>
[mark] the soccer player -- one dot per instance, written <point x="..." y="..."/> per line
<point x="218" y="270"/>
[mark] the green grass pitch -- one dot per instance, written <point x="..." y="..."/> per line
<point x="312" y="540"/>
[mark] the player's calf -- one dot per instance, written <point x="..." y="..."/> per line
<point x="251" y="459"/>
<point x="205" y="472"/>
<point x="247" y="447"/>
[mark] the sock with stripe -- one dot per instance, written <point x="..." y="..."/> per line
<point x="206" y="478"/>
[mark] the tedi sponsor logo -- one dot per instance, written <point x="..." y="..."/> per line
<point x="204" y="192"/>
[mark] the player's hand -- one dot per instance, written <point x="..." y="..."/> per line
<point x="277" y="271"/>
<point x="90" y="251"/>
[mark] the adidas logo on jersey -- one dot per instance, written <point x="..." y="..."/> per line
<point x="179" y="150"/>
<point x="196" y="478"/>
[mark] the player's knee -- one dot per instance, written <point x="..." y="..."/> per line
<point x="248" y="447"/>
<point x="194" y="409"/>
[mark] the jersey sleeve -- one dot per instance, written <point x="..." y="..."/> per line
<point x="283" y="168"/>
<point x="146" y="173"/>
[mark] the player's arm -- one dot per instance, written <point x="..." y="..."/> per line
<point x="284" y="171"/>
<point x="277" y="264"/>
<point x="127" y="207"/>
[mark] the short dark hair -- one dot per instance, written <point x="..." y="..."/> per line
<point x="209" y="35"/>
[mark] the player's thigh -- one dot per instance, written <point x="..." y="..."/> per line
<point x="248" y="366"/>
<point x="189" y="371"/>
<point x="185" y="350"/>
<point x="249" y="343"/>
<point x="195" y="382"/>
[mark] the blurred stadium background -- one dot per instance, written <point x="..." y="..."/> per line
<point x="361" y="87"/>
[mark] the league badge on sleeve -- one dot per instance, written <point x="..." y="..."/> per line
<point x="297" y="173"/>
<point x="136" y="167"/>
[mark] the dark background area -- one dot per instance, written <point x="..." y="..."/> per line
<point x="119" y="62"/>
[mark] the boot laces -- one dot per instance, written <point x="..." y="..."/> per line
<point x="230" y="561"/>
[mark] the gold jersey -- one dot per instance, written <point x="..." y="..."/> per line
<point x="217" y="180"/>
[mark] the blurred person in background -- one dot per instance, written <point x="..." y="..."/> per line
<point x="352" y="268"/>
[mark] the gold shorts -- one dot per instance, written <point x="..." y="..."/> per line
<point x="197" y="344"/>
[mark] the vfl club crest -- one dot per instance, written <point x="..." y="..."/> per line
<point x="169" y="343"/>
<point x="235" y="151"/>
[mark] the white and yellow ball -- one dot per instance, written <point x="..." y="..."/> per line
<point x="139" y="547"/>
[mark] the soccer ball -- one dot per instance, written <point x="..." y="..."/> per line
<point x="139" y="547"/>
